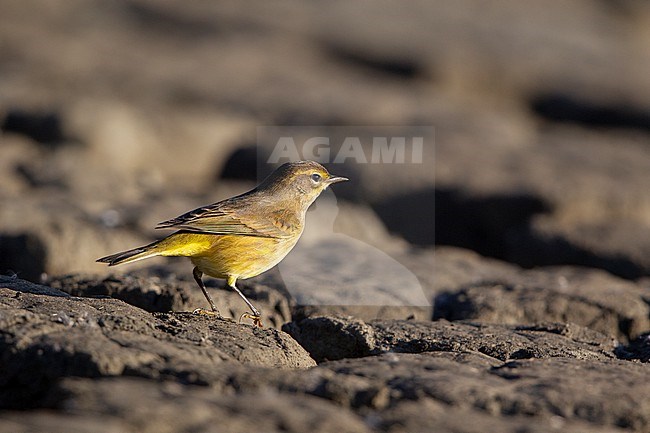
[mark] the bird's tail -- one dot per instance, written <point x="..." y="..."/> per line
<point x="133" y="255"/>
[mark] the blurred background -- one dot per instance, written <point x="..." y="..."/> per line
<point x="117" y="115"/>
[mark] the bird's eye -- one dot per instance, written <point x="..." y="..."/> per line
<point x="316" y="177"/>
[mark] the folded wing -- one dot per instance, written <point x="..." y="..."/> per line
<point x="224" y="218"/>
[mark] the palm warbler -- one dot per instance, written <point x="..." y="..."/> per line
<point x="242" y="236"/>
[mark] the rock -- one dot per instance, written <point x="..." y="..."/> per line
<point x="48" y="334"/>
<point x="22" y="253"/>
<point x="161" y="291"/>
<point x="150" y="294"/>
<point x="369" y="312"/>
<point x="137" y="405"/>
<point x="44" y="128"/>
<point x="448" y="268"/>
<point x="54" y="422"/>
<point x="586" y="297"/>
<point x="546" y="391"/>
<point x="23" y="286"/>
<point x="604" y="404"/>
<point x="17" y="152"/>
<point x="331" y="216"/>
<point x="63" y="237"/>
<point x="548" y="202"/>
<point x="563" y="199"/>
<point x="391" y="392"/>
<point x="331" y="338"/>
<point x="637" y="349"/>
<point x="474" y="390"/>
<point x="521" y="168"/>
<point x="430" y="415"/>
<point x="458" y="375"/>
<point x="342" y="271"/>
<point x="518" y="171"/>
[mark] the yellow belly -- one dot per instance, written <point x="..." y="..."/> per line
<point x="223" y="256"/>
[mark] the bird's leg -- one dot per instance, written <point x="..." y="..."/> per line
<point x="198" y="277"/>
<point x="256" y="316"/>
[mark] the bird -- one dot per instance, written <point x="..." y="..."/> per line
<point x="243" y="236"/>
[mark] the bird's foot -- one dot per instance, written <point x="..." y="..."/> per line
<point x="203" y="312"/>
<point x="216" y="314"/>
<point x="256" y="318"/>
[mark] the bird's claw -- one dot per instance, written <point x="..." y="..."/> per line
<point x="216" y="314"/>
<point x="256" y="318"/>
<point x="203" y="312"/>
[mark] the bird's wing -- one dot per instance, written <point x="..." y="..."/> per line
<point x="224" y="218"/>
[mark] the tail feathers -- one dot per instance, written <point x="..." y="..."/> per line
<point x="130" y="255"/>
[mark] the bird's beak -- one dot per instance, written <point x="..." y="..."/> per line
<point x="335" y="179"/>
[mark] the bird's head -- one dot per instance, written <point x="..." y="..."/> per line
<point x="301" y="180"/>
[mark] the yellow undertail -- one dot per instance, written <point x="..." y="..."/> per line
<point x="178" y="244"/>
